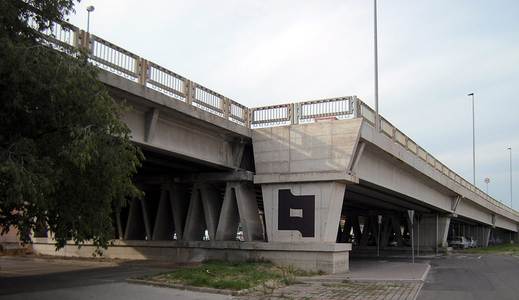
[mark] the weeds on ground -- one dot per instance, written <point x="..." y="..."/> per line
<point x="512" y="249"/>
<point x="233" y="276"/>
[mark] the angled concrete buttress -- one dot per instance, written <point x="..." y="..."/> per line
<point x="239" y="207"/>
<point x="195" y="219"/>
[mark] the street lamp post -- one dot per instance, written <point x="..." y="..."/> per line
<point x="473" y="142"/>
<point x="377" y="118"/>
<point x="89" y="10"/>
<point x="487" y="181"/>
<point x="511" y="195"/>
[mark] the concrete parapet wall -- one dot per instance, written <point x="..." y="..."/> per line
<point x="324" y="147"/>
<point x="327" y="257"/>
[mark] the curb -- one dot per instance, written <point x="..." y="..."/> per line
<point x="332" y="278"/>
<point x="184" y="287"/>
<point x="194" y="288"/>
<point x="424" y="276"/>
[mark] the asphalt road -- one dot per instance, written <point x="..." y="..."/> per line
<point x="470" y="276"/>
<point x="35" y="278"/>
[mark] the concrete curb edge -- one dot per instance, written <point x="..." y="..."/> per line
<point x="195" y="288"/>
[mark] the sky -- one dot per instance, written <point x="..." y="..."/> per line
<point x="431" y="55"/>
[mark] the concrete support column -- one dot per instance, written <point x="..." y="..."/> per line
<point x="229" y="217"/>
<point x="308" y="212"/>
<point x="240" y="207"/>
<point x="433" y="230"/>
<point x="195" y="220"/>
<point x="137" y="227"/>
<point x="171" y="212"/>
<point x="515" y="237"/>
<point x="483" y="236"/>
<point x="248" y="211"/>
<point x="179" y="199"/>
<point x="164" y="227"/>
<point x="212" y="204"/>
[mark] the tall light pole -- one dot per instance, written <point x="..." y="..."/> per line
<point x="511" y="195"/>
<point x="377" y="118"/>
<point x="487" y="181"/>
<point x="89" y="10"/>
<point x="473" y="142"/>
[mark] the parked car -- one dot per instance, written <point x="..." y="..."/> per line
<point x="473" y="243"/>
<point x="459" y="242"/>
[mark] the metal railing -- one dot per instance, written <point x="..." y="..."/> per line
<point x="124" y="63"/>
<point x="117" y="60"/>
<point x="302" y="112"/>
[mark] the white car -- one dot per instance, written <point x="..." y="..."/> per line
<point x="459" y="242"/>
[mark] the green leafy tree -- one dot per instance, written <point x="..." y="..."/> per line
<point x="66" y="159"/>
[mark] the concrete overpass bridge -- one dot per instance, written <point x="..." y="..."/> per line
<point x="298" y="183"/>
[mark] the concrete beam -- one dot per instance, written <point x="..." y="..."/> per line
<point x="239" y="175"/>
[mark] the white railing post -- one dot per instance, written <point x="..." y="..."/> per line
<point x="294" y="113"/>
<point x="189" y="91"/>
<point x="249" y="117"/>
<point x="142" y="70"/>
<point x="226" y="107"/>
<point x="76" y="42"/>
<point x="83" y="41"/>
<point x="357" y="107"/>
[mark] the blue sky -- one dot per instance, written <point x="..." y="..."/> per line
<point x="431" y="54"/>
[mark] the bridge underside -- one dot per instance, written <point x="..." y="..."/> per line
<point x="375" y="218"/>
<point x="191" y="201"/>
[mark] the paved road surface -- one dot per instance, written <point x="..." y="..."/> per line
<point x="470" y="276"/>
<point x="454" y="277"/>
<point x="40" y="279"/>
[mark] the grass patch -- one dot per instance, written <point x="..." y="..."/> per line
<point x="499" y="249"/>
<point x="231" y="276"/>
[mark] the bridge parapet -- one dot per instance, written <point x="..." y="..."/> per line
<point x="110" y="57"/>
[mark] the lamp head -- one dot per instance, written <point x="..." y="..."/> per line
<point x="471" y="94"/>
<point x="90" y="8"/>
